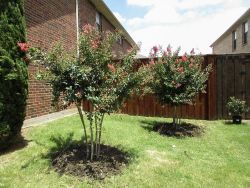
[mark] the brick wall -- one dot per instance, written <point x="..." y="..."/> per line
<point x="87" y="13"/>
<point x="49" y="22"/>
<point x="39" y="99"/>
<point x="117" y="48"/>
<point x="225" y="45"/>
<point x="90" y="18"/>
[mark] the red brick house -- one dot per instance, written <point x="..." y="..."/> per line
<point x="236" y="39"/>
<point x="51" y="21"/>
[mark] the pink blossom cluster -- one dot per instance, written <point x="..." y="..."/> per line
<point x="155" y="50"/>
<point x="111" y="68"/>
<point x="184" y="58"/>
<point x="87" y="28"/>
<point x="192" y="52"/>
<point x="94" y="44"/>
<point x="167" y="51"/>
<point x="180" y="69"/>
<point x="152" y="62"/>
<point x="176" y="85"/>
<point x="24" y="47"/>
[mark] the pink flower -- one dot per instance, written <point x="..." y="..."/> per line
<point x="94" y="44"/>
<point x="190" y="65"/>
<point x="111" y="68"/>
<point x="165" y="53"/>
<point x="24" y="47"/>
<point x="169" y="49"/>
<point x="192" y="52"/>
<point x="177" y="61"/>
<point x="152" y="63"/>
<point x="87" y="28"/>
<point x="155" y="49"/>
<point x="184" y="58"/>
<point x="180" y="69"/>
<point x="178" y="85"/>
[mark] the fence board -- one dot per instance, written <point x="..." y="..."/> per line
<point x="247" y="82"/>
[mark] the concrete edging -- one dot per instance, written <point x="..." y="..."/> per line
<point x="48" y="118"/>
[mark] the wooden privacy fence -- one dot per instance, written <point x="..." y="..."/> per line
<point x="204" y="107"/>
<point x="230" y="77"/>
<point x="233" y="79"/>
<point x="148" y="106"/>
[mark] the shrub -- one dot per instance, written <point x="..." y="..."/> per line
<point x="236" y="107"/>
<point x="13" y="70"/>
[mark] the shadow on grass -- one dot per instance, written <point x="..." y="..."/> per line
<point x="169" y="129"/>
<point x="17" y="144"/>
<point x="69" y="157"/>
<point x="230" y="122"/>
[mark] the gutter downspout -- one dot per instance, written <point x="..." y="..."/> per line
<point x="77" y="29"/>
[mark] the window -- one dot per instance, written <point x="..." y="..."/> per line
<point x="98" y="21"/>
<point x="120" y="40"/>
<point x="234" y="39"/>
<point x="244" y="32"/>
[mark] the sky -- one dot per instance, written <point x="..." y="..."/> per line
<point x="185" y="23"/>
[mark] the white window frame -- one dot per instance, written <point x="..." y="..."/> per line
<point x="244" y="33"/>
<point x="98" y="21"/>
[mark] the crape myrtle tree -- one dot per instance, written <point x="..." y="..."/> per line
<point x="13" y="70"/>
<point x="174" y="79"/>
<point x="94" y="76"/>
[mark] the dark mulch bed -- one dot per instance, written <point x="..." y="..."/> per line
<point x="181" y="130"/>
<point x="72" y="161"/>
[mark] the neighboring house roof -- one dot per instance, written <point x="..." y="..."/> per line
<point x="232" y="27"/>
<point x="140" y="56"/>
<point x="103" y="8"/>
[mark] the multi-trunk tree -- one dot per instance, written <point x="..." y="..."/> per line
<point x="94" y="76"/>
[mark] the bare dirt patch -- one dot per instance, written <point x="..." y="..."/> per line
<point x="73" y="161"/>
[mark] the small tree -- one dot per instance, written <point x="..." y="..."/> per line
<point x="13" y="70"/>
<point x="176" y="80"/>
<point x="94" y="76"/>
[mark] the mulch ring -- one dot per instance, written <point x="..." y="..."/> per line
<point x="73" y="161"/>
<point x="180" y="131"/>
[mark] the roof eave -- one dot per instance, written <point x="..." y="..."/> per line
<point x="230" y="29"/>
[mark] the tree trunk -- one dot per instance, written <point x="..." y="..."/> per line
<point x="99" y="137"/>
<point x="91" y="137"/>
<point x="174" y="116"/>
<point x="84" y="127"/>
<point x="96" y="135"/>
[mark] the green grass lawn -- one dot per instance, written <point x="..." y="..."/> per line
<point x="219" y="158"/>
